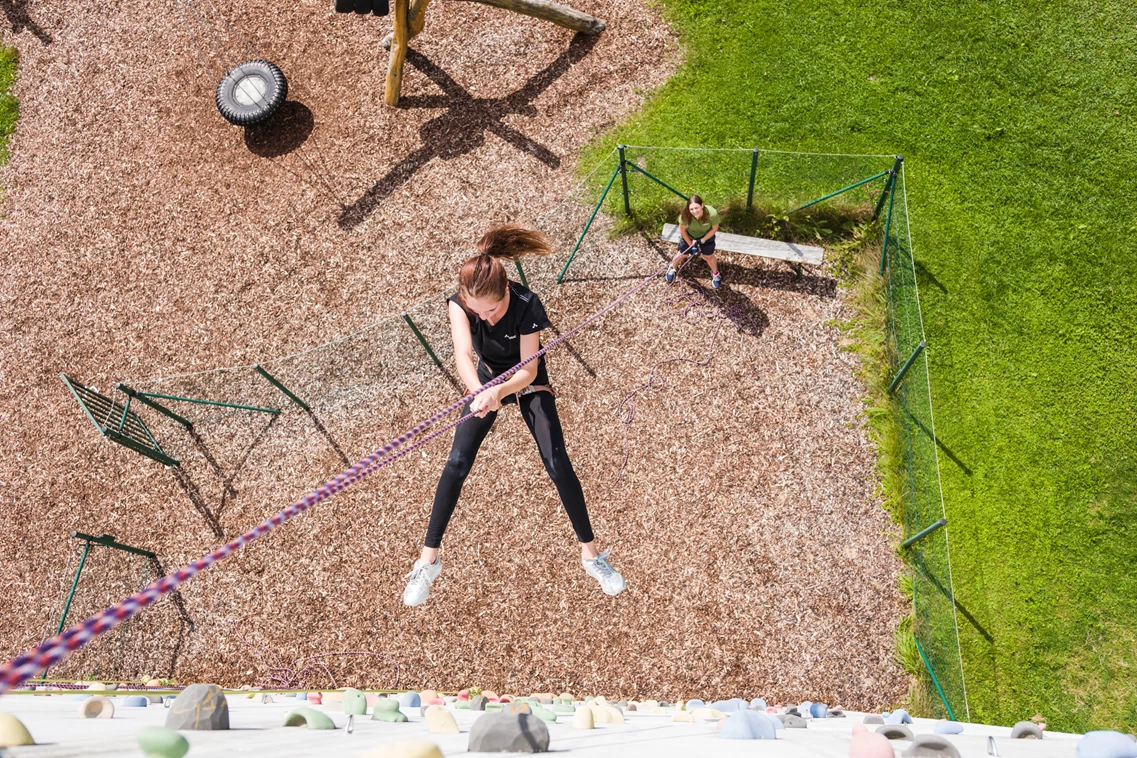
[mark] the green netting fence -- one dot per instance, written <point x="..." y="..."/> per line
<point x="401" y="366"/>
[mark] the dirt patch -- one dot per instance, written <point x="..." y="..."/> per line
<point x="144" y="237"/>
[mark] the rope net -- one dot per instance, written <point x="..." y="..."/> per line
<point x="362" y="386"/>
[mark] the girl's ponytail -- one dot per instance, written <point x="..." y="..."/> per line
<point x="483" y="276"/>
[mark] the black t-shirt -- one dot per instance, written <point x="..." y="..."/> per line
<point x="499" y="346"/>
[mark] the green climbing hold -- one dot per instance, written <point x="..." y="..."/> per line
<point x="160" y="742"/>
<point x="387" y="709"/>
<point x="562" y="708"/>
<point x="354" y="702"/>
<point x="543" y="713"/>
<point x="494" y="706"/>
<point x="309" y="718"/>
<point x="462" y="705"/>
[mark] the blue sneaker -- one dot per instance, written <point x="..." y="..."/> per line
<point x="670" y="275"/>
<point x="716" y="280"/>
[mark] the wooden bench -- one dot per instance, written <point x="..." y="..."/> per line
<point x="737" y="243"/>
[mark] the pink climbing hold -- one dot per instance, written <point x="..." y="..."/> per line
<point x="871" y="745"/>
<point x="860" y="729"/>
<point x="505" y="699"/>
<point x="315" y="698"/>
<point x="463" y="695"/>
<point x="435" y="701"/>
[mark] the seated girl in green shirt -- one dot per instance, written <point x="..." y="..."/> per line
<point x="698" y="224"/>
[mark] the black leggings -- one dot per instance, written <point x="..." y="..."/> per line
<point x="540" y="413"/>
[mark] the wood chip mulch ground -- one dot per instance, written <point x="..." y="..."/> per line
<point x="143" y="237"/>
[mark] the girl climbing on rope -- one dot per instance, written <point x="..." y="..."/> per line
<point x="698" y="224"/>
<point x="501" y="321"/>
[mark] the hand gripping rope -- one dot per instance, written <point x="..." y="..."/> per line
<point x="51" y="651"/>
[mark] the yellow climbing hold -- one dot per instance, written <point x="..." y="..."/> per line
<point x="13" y="733"/>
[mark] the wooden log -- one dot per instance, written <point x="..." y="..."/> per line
<point x="398" y="54"/>
<point x="558" y="14"/>
<point x="562" y="15"/>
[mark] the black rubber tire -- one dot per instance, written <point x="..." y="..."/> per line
<point x="345" y="6"/>
<point x="362" y="7"/>
<point x="382" y="7"/>
<point x="262" y="106"/>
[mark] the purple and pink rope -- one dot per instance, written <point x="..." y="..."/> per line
<point x="51" y="651"/>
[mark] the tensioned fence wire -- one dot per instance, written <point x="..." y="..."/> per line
<point x="936" y="624"/>
<point x="353" y="379"/>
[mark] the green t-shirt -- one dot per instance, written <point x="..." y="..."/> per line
<point x="698" y="228"/>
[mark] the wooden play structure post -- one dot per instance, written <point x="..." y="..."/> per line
<point x="410" y="18"/>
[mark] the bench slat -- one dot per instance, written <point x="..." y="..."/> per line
<point x="737" y="243"/>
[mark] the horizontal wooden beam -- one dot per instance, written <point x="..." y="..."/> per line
<point x="562" y="15"/>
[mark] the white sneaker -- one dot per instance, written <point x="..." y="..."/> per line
<point x="601" y="570"/>
<point x="418" y="588"/>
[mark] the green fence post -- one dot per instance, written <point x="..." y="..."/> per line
<point x="144" y="396"/>
<point x="923" y="533"/>
<point x="660" y="182"/>
<point x="753" y="173"/>
<point x="422" y="339"/>
<point x="888" y="186"/>
<point x="521" y="273"/>
<point x="624" y="179"/>
<point x="275" y="383"/>
<point x="907" y="365"/>
<point x="852" y="186"/>
<point x="935" y="681"/>
<point x="70" y="596"/>
<point x="156" y="406"/>
<point x="588" y="226"/>
<point x="887" y="232"/>
<point x="107" y="540"/>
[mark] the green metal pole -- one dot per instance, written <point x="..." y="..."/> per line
<point x="156" y="406"/>
<point x="70" y="595"/>
<point x="146" y="395"/>
<point x="887" y="231"/>
<point x="935" y="681"/>
<point x="923" y="533"/>
<point x="658" y="181"/>
<point x="838" y="192"/>
<point x="521" y="273"/>
<point x="588" y="226"/>
<point x="888" y="186"/>
<point x="107" y="540"/>
<point x="753" y="173"/>
<point x="125" y="411"/>
<point x="624" y="179"/>
<point x="907" y="365"/>
<point x="422" y="339"/>
<point x="275" y="383"/>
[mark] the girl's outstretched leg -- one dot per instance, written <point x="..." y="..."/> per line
<point x="468" y="439"/>
<point x="539" y="410"/>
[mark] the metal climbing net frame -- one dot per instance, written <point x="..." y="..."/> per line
<point x="770" y="188"/>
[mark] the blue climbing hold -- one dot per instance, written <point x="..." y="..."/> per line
<point x="1105" y="744"/>
<point x="301" y="695"/>
<point x="776" y="721"/>
<point x="819" y="710"/>
<point x="758" y="704"/>
<point x="80" y="697"/>
<point x="410" y="700"/>
<point x="948" y="727"/>
<point x="695" y="703"/>
<point x="803" y="709"/>
<point x="729" y="706"/>
<point x="899" y="716"/>
<point x="747" y="725"/>
<point x="135" y="701"/>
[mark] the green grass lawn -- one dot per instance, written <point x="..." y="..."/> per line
<point x="1017" y="124"/>
<point x="8" y="109"/>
